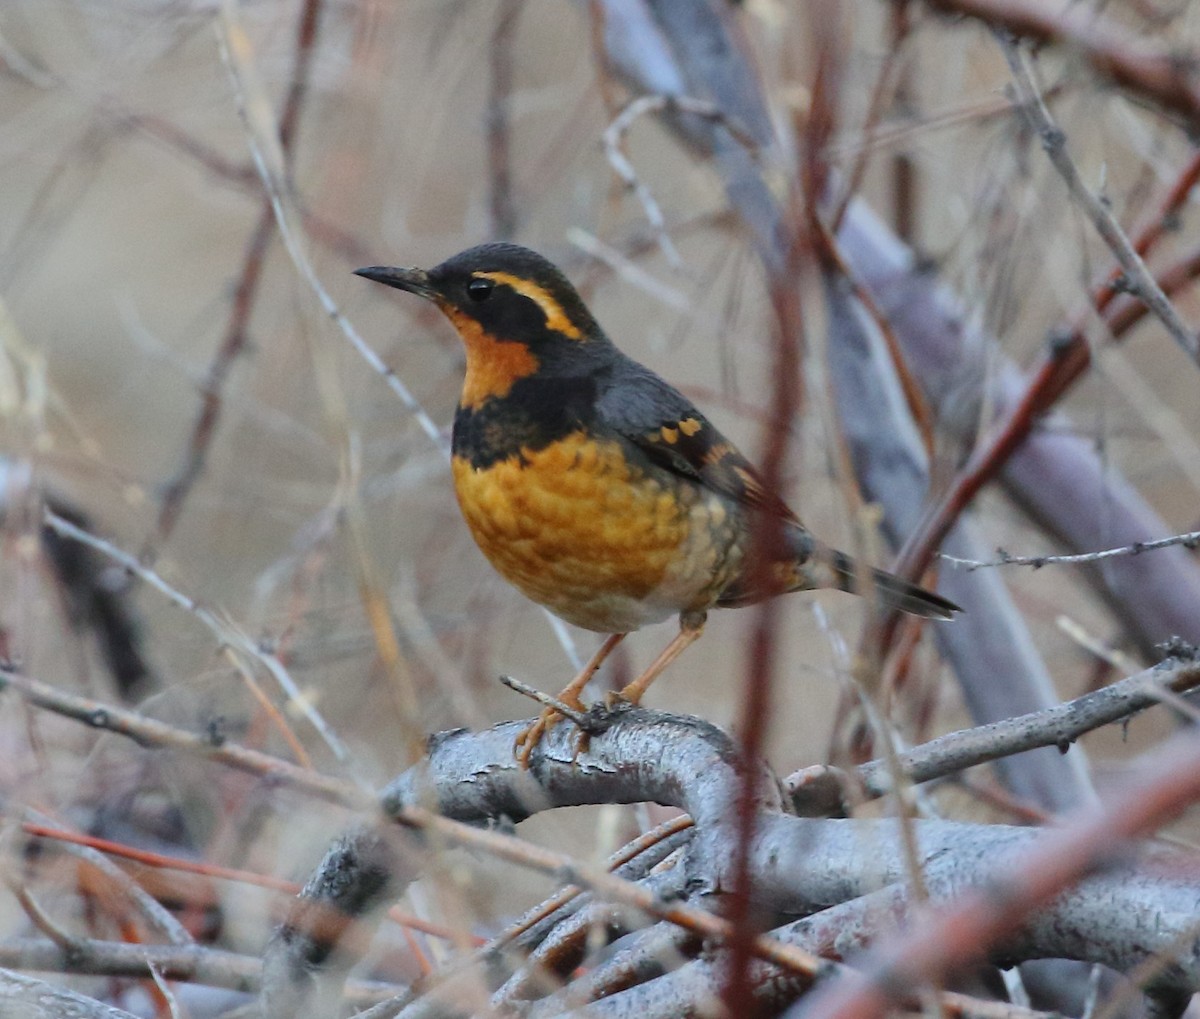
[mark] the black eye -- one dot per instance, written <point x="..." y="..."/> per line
<point x="480" y="289"/>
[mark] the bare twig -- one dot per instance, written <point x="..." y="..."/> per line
<point x="193" y="963"/>
<point x="697" y="772"/>
<point x="1157" y="74"/>
<point x="663" y="834"/>
<point x="1138" y="279"/>
<point x="628" y="270"/>
<point x="951" y="938"/>
<point x="580" y="718"/>
<point x="149" y="732"/>
<point x="61" y="939"/>
<point x="237" y="328"/>
<point x="499" y="121"/>
<point x="227" y="633"/>
<point x="196" y="963"/>
<point x="164" y="989"/>
<point x="153" y="733"/>
<point x="283" y="207"/>
<point x="614" y="136"/>
<point x="35" y="999"/>
<point x="1058" y="726"/>
<point x="1190" y="540"/>
<point x="156" y="916"/>
<point x="633" y="862"/>
<point x="881" y="93"/>
<point x="834" y="933"/>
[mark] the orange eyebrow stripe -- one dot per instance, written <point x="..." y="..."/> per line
<point x="556" y="318"/>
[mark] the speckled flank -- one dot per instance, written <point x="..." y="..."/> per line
<point x="598" y="542"/>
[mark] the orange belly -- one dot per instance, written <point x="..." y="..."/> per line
<point x="599" y="543"/>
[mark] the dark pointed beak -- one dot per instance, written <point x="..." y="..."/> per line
<point x="415" y="281"/>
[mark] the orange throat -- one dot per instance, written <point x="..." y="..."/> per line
<point x="493" y="365"/>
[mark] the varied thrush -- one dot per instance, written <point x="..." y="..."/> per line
<point x="595" y="487"/>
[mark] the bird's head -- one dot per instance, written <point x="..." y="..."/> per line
<point x="516" y="312"/>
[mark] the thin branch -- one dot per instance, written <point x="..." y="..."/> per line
<point x="210" y="966"/>
<point x="834" y="932"/>
<point x="1068" y="358"/>
<point x="697" y="774"/>
<point x="950" y="939"/>
<point x="882" y="92"/>
<point x="1138" y="279"/>
<point x="165" y="991"/>
<point x="94" y="849"/>
<point x="1190" y="540"/>
<point x="633" y="862"/>
<point x="156" y="916"/>
<point x="820" y="787"/>
<point x="614" y="136"/>
<point x="580" y="718"/>
<point x="627" y="269"/>
<point x="35" y="999"/>
<point x="1158" y="74"/>
<point x="67" y="943"/>
<point x="237" y="328"/>
<point x="499" y="122"/>
<point x="226" y="632"/>
<point x="198" y="964"/>
<point x="284" y="209"/>
<point x="149" y="732"/>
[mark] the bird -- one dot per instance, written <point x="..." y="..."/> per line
<point x="595" y="487"/>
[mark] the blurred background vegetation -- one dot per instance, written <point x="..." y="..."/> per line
<point x="167" y="371"/>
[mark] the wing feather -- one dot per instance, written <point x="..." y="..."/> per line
<point x="654" y="417"/>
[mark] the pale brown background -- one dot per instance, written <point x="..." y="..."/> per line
<point x="119" y="253"/>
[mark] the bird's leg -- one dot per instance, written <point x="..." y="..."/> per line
<point x="532" y="736"/>
<point x="691" y="625"/>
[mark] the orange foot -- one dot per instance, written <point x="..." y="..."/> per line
<point x="531" y="737"/>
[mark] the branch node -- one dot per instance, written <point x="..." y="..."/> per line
<point x="1054" y="139"/>
<point x="1179" y="649"/>
<point x="1061" y="342"/>
<point x="215" y="731"/>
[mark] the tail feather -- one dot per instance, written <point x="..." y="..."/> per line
<point x="890" y="590"/>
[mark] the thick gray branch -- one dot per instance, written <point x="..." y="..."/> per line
<point x="23" y="997"/>
<point x="1059" y="726"/>
<point x="642" y="756"/>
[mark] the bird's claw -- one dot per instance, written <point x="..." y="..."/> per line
<point x="529" y="738"/>
<point x="616" y="699"/>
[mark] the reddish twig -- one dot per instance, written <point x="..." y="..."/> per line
<point x="904" y="168"/>
<point x="1137" y="277"/>
<point x="504" y="214"/>
<point x="213" y="387"/>
<point x="953" y="938"/>
<point x="879" y="96"/>
<point x="786" y="395"/>
<point x="234" y="341"/>
<point x="162" y="861"/>
<point x="1066" y="361"/>
<point x="1158" y="75"/>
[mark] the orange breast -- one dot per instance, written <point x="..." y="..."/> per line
<point x="602" y="544"/>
